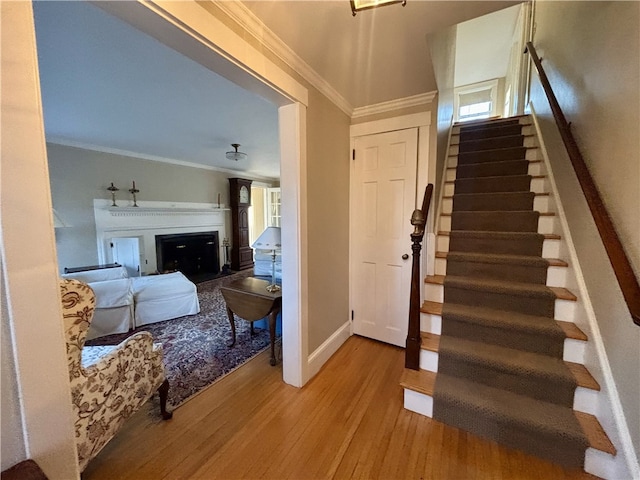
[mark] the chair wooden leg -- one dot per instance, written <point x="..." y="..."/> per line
<point x="164" y="393"/>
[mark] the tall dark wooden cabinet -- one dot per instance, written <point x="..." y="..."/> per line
<point x="240" y="201"/>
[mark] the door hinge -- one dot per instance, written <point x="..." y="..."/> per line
<point x="353" y="154"/>
<point x="111" y="244"/>
<point x="352" y="315"/>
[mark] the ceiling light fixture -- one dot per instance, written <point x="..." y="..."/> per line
<point x="236" y="155"/>
<point x="358" y="5"/>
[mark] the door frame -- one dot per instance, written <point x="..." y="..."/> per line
<point x="426" y="174"/>
<point x="29" y="263"/>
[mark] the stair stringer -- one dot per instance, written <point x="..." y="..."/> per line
<point x="608" y="408"/>
<point x="588" y="401"/>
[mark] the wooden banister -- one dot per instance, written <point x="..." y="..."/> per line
<point x="418" y="220"/>
<point x="612" y="244"/>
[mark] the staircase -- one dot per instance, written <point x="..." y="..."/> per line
<point x="500" y="354"/>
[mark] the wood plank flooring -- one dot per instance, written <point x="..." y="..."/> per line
<point x="348" y="422"/>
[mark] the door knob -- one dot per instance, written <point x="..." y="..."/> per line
<point x="405" y="256"/>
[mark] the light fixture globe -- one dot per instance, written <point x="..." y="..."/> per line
<point x="235" y="155"/>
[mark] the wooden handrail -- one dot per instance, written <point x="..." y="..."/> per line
<point x="612" y="244"/>
<point x="414" y="340"/>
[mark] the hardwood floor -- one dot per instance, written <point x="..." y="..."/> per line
<point x="348" y="422"/>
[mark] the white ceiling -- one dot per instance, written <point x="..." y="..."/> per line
<point x="108" y="86"/>
<point x="483" y="46"/>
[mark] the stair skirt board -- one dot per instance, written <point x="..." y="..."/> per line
<point x="499" y="336"/>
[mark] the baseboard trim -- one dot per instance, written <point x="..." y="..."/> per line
<point x="325" y="351"/>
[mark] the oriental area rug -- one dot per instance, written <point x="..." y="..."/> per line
<point x="195" y="347"/>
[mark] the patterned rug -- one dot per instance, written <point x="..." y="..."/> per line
<point x="196" y="352"/>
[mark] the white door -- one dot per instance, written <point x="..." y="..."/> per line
<point x="126" y="252"/>
<point x="384" y="192"/>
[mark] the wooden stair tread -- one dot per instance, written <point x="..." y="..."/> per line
<point x="542" y="214"/>
<point x="434" y="279"/>
<point x="594" y="432"/>
<point x="547" y="236"/>
<point x="431" y="342"/>
<point x="571" y="330"/>
<point x="523" y="135"/>
<point x="582" y="376"/>
<point x="553" y="262"/>
<point x="421" y="381"/>
<point x="536" y="194"/>
<point x="532" y="147"/>
<point x="502" y="161"/>
<point x="563" y="294"/>
<point x="433" y="308"/>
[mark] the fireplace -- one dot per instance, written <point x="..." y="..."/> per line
<point x="196" y="255"/>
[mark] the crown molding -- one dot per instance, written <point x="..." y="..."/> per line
<point x="154" y="158"/>
<point x="383" y="107"/>
<point x="244" y="17"/>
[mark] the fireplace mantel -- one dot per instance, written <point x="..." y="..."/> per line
<point x="153" y="218"/>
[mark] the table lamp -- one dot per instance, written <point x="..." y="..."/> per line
<point x="270" y="240"/>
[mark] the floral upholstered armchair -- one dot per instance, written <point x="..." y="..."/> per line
<point x="109" y="383"/>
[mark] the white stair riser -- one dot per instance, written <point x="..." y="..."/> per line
<point x="539" y="185"/>
<point x="440" y="267"/>
<point x="431" y="323"/>
<point x="434" y="293"/>
<point x="551" y="248"/>
<point x="557" y="276"/>
<point x="574" y="350"/>
<point x="445" y="223"/>
<point x="601" y="464"/>
<point x="448" y="189"/>
<point x="442" y="243"/>
<point x="454" y="148"/>
<point x="585" y="400"/>
<point x="541" y="203"/>
<point x="536" y="168"/>
<point x="548" y="225"/>
<point x="418" y="403"/>
<point x="564" y="309"/>
<point x="429" y="360"/>
<point x="451" y="175"/>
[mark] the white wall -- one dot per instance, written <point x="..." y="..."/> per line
<point x="591" y="54"/>
<point x="79" y="175"/>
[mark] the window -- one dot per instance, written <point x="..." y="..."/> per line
<point x="474" y="102"/>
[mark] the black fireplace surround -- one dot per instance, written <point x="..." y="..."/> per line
<point x="196" y="255"/>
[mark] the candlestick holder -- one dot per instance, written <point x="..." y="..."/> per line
<point x="113" y="189"/>
<point x="133" y="192"/>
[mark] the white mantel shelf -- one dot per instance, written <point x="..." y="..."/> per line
<point x="144" y="211"/>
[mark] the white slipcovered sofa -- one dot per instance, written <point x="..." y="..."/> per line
<point x="124" y="303"/>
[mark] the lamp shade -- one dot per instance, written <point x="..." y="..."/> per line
<point x="268" y="240"/>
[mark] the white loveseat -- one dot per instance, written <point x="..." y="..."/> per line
<point x="124" y="303"/>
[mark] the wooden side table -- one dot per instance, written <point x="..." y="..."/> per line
<point x="249" y="299"/>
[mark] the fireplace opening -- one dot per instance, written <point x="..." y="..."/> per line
<point x="196" y="255"/>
